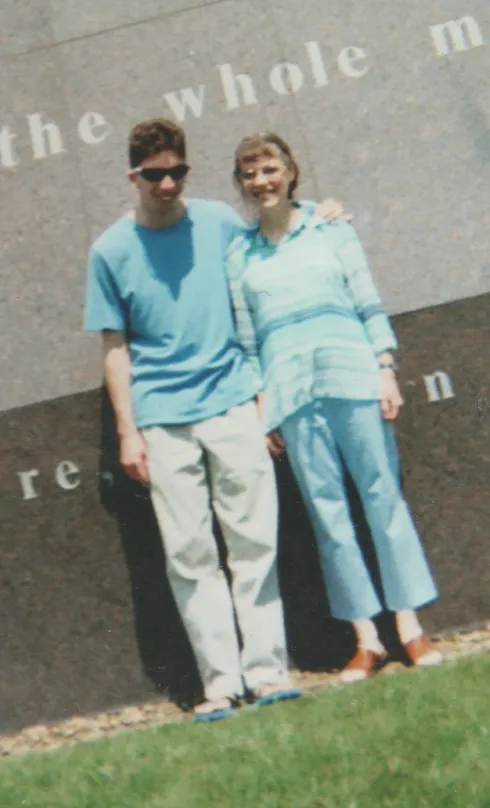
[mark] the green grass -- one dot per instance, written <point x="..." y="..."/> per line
<point x="416" y="739"/>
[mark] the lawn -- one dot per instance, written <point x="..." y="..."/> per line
<point x="414" y="739"/>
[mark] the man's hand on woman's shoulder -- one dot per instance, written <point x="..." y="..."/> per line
<point x="332" y="209"/>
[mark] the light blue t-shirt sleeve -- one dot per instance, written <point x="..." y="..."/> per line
<point x="104" y="309"/>
<point x="233" y="224"/>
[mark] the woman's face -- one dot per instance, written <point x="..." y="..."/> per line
<point x="265" y="180"/>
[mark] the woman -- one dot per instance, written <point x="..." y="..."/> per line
<point x="310" y="319"/>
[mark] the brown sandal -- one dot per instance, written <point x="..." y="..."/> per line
<point x="422" y="648"/>
<point x="362" y="665"/>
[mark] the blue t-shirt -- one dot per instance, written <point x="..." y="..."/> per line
<point x="167" y="290"/>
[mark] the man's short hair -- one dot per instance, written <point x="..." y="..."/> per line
<point x="152" y="137"/>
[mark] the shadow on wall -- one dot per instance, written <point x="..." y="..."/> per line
<point x="316" y="641"/>
<point x="164" y="649"/>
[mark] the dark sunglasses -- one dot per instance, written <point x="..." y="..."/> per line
<point x="158" y="174"/>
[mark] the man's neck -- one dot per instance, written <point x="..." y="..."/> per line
<point x="158" y="220"/>
<point x="278" y="221"/>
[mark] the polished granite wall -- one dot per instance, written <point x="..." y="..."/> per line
<point x="87" y="620"/>
<point x="385" y="108"/>
<point x="388" y="109"/>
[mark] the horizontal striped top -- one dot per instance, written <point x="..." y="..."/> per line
<point x="308" y="315"/>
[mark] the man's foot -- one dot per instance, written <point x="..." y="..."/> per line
<point x="271" y="694"/>
<point x="362" y="665"/>
<point x="422" y="653"/>
<point x="214" y="710"/>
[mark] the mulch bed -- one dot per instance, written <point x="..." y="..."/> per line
<point x="45" y="737"/>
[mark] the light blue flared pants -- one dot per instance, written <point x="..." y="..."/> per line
<point x="317" y="438"/>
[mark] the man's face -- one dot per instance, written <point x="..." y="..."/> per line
<point x="157" y="189"/>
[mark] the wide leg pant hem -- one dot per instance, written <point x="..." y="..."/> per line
<point x="412" y="605"/>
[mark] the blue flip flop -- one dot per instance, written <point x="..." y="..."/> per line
<point x="281" y="695"/>
<point x="216" y="715"/>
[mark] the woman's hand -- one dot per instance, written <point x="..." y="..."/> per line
<point x="331" y="209"/>
<point x="275" y="444"/>
<point x="391" y="398"/>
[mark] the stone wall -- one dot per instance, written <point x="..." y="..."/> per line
<point x="387" y="109"/>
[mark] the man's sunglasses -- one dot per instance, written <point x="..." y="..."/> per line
<point x="158" y="174"/>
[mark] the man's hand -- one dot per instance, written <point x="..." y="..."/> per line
<point x="391" y="398"/>
<point x="331" y="209"/>
<point x="133" y="455"/>
<point x="275" y="444"/>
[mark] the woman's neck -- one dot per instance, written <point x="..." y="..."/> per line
<point x="275" y="223"/>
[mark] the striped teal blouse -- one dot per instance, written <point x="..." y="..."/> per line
<point x="308" y="315"/>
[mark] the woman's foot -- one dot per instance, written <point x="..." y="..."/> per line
<point x="214" y="710"/>
<point x="417" y="646"/>
<point x="422" y="653"/>
<point x="363" y="664"/>
<point x="370" y="652"/>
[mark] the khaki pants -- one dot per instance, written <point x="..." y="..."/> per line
<point x="239" y="483"/>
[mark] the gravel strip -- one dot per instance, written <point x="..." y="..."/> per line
<point x="48" y="737"/>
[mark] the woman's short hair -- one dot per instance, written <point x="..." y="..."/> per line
<point x="265" y="145"/>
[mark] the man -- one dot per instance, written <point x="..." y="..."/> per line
<point x="184" y="401"/>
